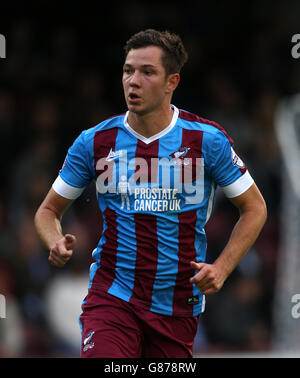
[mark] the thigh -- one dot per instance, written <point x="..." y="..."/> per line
<point x="109" y="328"/>
<point x="169" y="337"/>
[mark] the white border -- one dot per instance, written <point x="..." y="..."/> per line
<point x="156" y="136"/>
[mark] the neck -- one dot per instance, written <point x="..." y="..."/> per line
<point x="151" y="123"/>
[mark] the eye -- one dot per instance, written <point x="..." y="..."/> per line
<point x="127" y="70"/>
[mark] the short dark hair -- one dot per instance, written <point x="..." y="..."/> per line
<point x="174" y="54"/>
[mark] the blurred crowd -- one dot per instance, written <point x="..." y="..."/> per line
<point x="62" y="74"/>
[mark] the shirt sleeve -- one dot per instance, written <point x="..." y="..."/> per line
<point x="76" y="173"/>
<point x="228" y="170"/>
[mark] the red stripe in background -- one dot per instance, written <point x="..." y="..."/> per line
<point x="186" y="253"/>
<point x="146" y="236"/>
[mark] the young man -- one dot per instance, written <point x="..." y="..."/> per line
<point x="149" y="280"/>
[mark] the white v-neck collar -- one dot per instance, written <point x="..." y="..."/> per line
<point x="155" y="136"/>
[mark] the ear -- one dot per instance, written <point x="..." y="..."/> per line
<point x="172" y="82"/>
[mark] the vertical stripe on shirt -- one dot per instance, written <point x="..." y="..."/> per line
<point x="146" y="258"/>
<point x="104" y="142"/>
<point x="146" y="233"/>
<point x="167" y="265"/>
<point x="126" y="249"/>
<point x="105" y="274"/>
<point x="186" y="253"/>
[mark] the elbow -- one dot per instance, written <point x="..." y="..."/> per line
<point x="36" y="219"/>
<point x="257" y="210"/>
<point x="263" y="212"/>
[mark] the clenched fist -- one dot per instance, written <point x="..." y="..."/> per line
<point x="209" y="278"/>
<point x="62" y="251"/>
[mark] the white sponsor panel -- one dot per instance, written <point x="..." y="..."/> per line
<point x="2" y="306"/>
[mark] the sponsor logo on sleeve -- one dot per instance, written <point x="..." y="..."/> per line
<point x="236" y="160"/>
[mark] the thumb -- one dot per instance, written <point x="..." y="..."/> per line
<point x="197" y="266"/>
<point x="70" y="240"/>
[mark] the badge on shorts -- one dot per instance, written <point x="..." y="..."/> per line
<point x="87" y="341"/>
<point x="193" y="300"/>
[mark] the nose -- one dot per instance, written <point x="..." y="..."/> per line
<point x="135" y="79"/>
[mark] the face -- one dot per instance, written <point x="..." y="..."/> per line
<point x="146" y="86"/>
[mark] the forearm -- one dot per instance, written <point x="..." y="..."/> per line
<point x="48" y="227"/>
<point x="242" y="238"/>
<point x="253" y="214"/>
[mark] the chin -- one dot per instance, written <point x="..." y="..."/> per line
<point x="136" y="109"/>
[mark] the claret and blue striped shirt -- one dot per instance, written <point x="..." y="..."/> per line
<point x="156" y="195"/>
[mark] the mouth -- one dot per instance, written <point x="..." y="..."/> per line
<point x="133" y="98"/>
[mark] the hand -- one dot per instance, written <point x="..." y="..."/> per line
<point x="62" y="251"/>
<point x="209" y="279"/>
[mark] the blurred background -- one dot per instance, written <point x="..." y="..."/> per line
<point x="62" y="74"/>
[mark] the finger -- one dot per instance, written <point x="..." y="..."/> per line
<point x="201" y="276"/>
<point x="60" y="254"/>
<point x="63" y="250"/>
<point x="55" y="261"/>
<point x="201" y="283"/>
<point x="208" y="291"/>
<point x="197" y="266"/>
<point x="70" y="240"/>
<point x="205" y="284"/>
<point x="65" y="256"/>
<point x="210" y="288"/>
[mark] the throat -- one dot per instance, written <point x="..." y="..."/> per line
<point x="149" y="125"/>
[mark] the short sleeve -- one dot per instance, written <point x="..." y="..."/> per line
<point x="75" y="174"/>
<point x="228" y="170"/>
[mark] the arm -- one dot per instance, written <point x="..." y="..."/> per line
<point x="48" y="225"/>
<point x="253" y="214"/>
